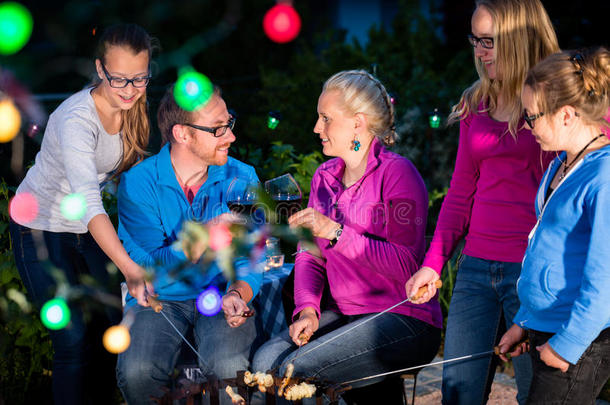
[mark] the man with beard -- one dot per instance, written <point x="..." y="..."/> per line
<point x="186" y="181"/>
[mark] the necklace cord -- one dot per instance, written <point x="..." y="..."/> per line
<point x="567" y="166"/>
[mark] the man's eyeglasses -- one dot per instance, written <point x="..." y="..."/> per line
<point x="217" y="132"/>
<point x="531" y="118"/>
<point x="121" y="82"/>
<point x="486" y="42"/>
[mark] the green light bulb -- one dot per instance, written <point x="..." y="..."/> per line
<point x="272" y="123"/>
<point x="192" y="90"/>
<point x="15" y="27"/>
<point x="55" y="314"/>
<point x="434" y="119"/>
<point x="73" y="207"/>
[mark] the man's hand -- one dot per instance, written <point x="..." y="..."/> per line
<point x="424" y="276"/>
<point x="511" y="338"/>
<point x="234" y="307"/>
<point x="307" y="324"/>
<point x="320" y="225"/>
<point x="551" y="358"/>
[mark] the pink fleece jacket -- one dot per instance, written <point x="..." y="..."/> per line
<point x="491" y="196"/>
<point x="384" y="219"/>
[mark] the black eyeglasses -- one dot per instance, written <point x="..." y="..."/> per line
<point x="486" y="42"/>
<point x="217" y="132"/>
<point x="531" y="118"/>
<point x="121" y="82"/>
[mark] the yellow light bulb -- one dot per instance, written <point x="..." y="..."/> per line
<point x="10" y="120"/>
<point x="116" y="339"/>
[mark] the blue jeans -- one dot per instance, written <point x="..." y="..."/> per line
<point x="483" y="304"/>
<point x="82" y="368"/>
<point x="147" y="365"/>
<point x="387" y="343"/>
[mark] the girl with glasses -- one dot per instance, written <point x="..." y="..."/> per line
<point x="489" y="202"/>
<point x="564" y="287"/>
<point x="93" y="136"/>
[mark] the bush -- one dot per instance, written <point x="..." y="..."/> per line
<point x="25" y="348"/>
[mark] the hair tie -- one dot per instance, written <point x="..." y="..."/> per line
<point x="577" y="59"/>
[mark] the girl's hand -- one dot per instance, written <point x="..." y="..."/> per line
<point x="424" y="276"/>
<point x="512" y="336"/>
<point x="551" y="358"/>
<point x="137" y="285"/>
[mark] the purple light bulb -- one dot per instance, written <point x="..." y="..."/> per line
<point x="209" y="301"/>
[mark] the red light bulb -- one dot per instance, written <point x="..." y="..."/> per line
<point x="282" y="23"/>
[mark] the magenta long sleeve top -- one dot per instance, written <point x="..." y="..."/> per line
<point x="491" y="197"/>
<point x="382" y="245"/>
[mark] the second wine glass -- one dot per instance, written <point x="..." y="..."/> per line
<point x="287" y="194"/>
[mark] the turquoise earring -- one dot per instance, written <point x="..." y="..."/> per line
<point x="356" y="146"/>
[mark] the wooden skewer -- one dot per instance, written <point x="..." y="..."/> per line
<point x="247" y="314"/>
<point x="155" y="304"/>
<point x="422" y="290"/>
<point x="512" y="348"/>
<point x="304" y="338"/>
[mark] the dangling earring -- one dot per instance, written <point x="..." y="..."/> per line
<point x="356" y="144"/>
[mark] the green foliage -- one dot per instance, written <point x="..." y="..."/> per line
<point x="25" y="348"/>
<point x="282" y="158"/>
<point x="448" y="278"/>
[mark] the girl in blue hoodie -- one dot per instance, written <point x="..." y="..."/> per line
<point x="564" y="286"/>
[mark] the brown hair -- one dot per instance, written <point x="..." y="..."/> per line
<point x="580" y="79"/>
<point x="135" y="125"/>
<point x="361" y="92"/>
<point x="170" y="114"/>
<point x="523" y="36"/>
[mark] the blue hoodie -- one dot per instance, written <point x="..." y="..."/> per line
<point x="152" y="209"/>
<point x="564" y="286"/>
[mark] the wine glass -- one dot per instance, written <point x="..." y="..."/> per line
<point x="287" y="194"/>
<point x="242" y="195"/>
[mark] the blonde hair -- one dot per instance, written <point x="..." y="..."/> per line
<point x="361" y="92"/>
<point x="523" y="36"/>
<point x="580" y="79"/>
<point x="135" y="125"/>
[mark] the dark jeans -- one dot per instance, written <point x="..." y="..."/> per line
<point x="389" y="342"/>
<point x="83" y="372"/>
<point x="583" y="381"/>
<point x="146" y="367"/>
<point x="483" y="304"/>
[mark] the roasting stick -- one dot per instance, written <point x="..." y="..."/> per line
<point x="422" y="290"/>
<point x="156" y="305"/>
<point x="496" y="351"/>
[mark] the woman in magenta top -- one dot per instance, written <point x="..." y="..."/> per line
<point x="367" y="211"/>
<point x="490" y="202"/>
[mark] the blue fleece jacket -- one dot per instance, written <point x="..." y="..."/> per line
<point x="152" y="208"/>
<point x="564" y="286"/>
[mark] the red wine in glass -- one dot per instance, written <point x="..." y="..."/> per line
<point x="241" y="207"/>
<point x="286" y="205"/>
